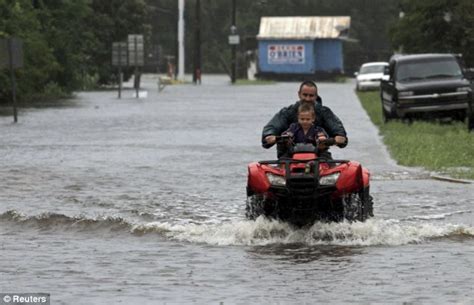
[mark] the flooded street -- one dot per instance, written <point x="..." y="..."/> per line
<point x="142" y="201"/>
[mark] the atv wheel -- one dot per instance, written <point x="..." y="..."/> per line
<point x="254" y="206"/>
<point x="367" y="203"/>
<point x="357" y="206"/>
<point x="257" y="205"/>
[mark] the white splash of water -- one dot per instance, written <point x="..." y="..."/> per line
<point x="264" y="232"/>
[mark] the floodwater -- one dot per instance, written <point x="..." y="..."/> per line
<point x="141" y="201"/>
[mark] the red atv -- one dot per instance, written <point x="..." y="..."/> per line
<point x="302" y="187"/>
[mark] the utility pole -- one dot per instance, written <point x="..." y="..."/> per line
<point x="197" y="47"/>
<point x="233" y="30"/>
<point x="12" y="77"/>
<point x="181" y="40"/>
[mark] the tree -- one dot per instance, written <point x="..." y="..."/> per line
<point x="113" y="21"/>
<point x="18" y="18"/>
<point x="69" y="35"/>
<point x="436" y="26"/>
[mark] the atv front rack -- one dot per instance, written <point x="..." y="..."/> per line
<point x="300" y="179"/>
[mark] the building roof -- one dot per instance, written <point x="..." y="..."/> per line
<point x="304" y="27"/>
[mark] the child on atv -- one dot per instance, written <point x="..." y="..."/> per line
<point x="304" y="131"/>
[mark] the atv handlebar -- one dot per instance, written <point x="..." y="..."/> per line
<point x="283" y="139"/>
<point x="287" y="139"/>
<point x="328" y="142"/>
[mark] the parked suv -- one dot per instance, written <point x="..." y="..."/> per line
<point x="425" y="85"/>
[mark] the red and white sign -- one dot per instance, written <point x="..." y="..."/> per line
<point x="285" y="54"/>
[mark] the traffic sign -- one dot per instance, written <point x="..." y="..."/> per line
<point x="11" y="47"/>
<point x="234" y="39"/>
<point x="135" y="50"/>
<point x="119" y="54"/>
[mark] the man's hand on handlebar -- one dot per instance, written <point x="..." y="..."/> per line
<point x="340" y="140"/>
<point x="270" y="140"/>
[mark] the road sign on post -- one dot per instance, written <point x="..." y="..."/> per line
<point x="11" y="57"/>
<point x="136" y="56"/>
<point x="119" y="54"/>
<point x="119" y="59"/>
<point x="234" y="39"/>
<point x="13" y="46"/>
<point x="135" y="50"/>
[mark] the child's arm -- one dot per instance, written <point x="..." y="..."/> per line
<point x="291" y="130"/>
<point x="320" y="136"/>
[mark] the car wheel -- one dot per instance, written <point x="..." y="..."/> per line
<point x="386" y="115"/>
<point x="470" y="122"/>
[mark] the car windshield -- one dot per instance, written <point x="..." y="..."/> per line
<point x="371" y="69"/>
<point x="428" y="69"/>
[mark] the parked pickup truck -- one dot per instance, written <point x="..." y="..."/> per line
<point x="426" y="85"/>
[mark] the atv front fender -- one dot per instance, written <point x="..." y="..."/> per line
<point x="351" y="179"/>
<point x="257" y="181"/>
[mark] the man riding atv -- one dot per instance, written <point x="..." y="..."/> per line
<point x="325" y="118"/>
<point x="305" y="184"/>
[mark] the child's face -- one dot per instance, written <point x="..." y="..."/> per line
<point x="305" y="119"/>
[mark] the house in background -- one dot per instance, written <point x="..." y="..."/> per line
<point x="297" y="47"/>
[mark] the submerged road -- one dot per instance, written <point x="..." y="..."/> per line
<point x="142" y="201"/>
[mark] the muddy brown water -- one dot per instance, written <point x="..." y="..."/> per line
<point x="142" y="201"/>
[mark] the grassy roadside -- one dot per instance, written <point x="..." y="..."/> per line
<point x="254" y="82"/>
<point x="444" y="148"/>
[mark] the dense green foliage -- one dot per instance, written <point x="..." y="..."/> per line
<point x="66" y="44"/>
<point x="18" y="18"/>
<point x="440" y="147"/>
<point x="436" y="26"/>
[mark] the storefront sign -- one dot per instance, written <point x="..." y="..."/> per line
<point x="286" y="54"/>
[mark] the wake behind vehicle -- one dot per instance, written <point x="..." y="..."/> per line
<point x="303" y="188"/>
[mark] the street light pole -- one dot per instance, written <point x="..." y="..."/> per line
<point x="197" y="47"/>
<point x="234" y="46"/>
<point x="12" y="77"/>
<point x="181" y="40"/>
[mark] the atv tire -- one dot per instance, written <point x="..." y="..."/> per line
<point x="367" y="203"/>
<point x="257" y="205"/>
<point x="254" y="207"/>
<point x="357" y="206"/>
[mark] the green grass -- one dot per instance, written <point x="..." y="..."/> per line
<point x="254" y="82"/>
<point x="446" y="148"/>
<point x="341" y="79"/>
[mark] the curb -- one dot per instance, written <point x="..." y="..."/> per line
<point x="453" y="180"/>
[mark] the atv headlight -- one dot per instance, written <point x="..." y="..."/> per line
<point x="276" y="180"/>
<point x="329" y="179"/>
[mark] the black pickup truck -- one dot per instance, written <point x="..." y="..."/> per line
<point x="426" y="85"/>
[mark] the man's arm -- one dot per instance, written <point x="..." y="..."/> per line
<point x="278" y="124"/>
<point x="333" y="126"/>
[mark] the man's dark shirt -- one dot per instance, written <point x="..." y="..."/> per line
<point x="325" y="118"/>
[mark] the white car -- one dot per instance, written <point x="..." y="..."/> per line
<point x="369" y="75"/>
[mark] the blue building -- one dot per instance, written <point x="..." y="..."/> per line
<point x="292" y="47"/>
